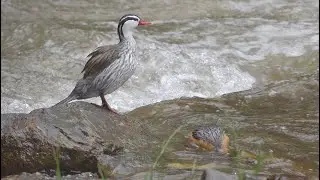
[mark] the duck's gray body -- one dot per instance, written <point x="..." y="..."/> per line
<point x="110" y="78"/>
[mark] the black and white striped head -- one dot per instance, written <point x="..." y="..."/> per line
<point x="128" y="23"/>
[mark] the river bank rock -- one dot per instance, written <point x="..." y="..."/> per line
<point x="279" y="120"/>
<point x="83" y="134"/>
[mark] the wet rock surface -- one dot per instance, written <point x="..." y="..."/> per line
<point x="279" y="120"/>
<point x="84" y="135"/>
<point x="43" y="176"/>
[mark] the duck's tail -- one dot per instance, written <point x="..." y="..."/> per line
<point x="71" y="97"/>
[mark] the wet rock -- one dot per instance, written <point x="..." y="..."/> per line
<point x="82" y="135"/>
<point x="298" y="93"/>
<point x="279" y="122"/>
<point x="42" y="176"/>
<point x="166" y="176"/>
<point x="212" y="174"/>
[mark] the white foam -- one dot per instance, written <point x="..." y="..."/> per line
<point x="191" y="57"/>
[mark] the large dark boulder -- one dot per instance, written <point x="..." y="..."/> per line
<point x="83" y="133"/>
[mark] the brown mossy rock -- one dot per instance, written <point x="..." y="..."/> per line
<point x="83" y="133"/>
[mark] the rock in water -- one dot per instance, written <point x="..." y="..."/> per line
<point x="83" y="132"/>
<point x="212" y="174"/>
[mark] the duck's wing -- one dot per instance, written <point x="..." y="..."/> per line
<point x="100" y="59"/>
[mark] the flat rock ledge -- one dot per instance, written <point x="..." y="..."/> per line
<point x="80" y="134"/>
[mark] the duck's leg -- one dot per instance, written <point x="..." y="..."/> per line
<point x="106" y="105"/>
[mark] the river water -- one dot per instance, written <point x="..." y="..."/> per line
<point x="199" y="48"/>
